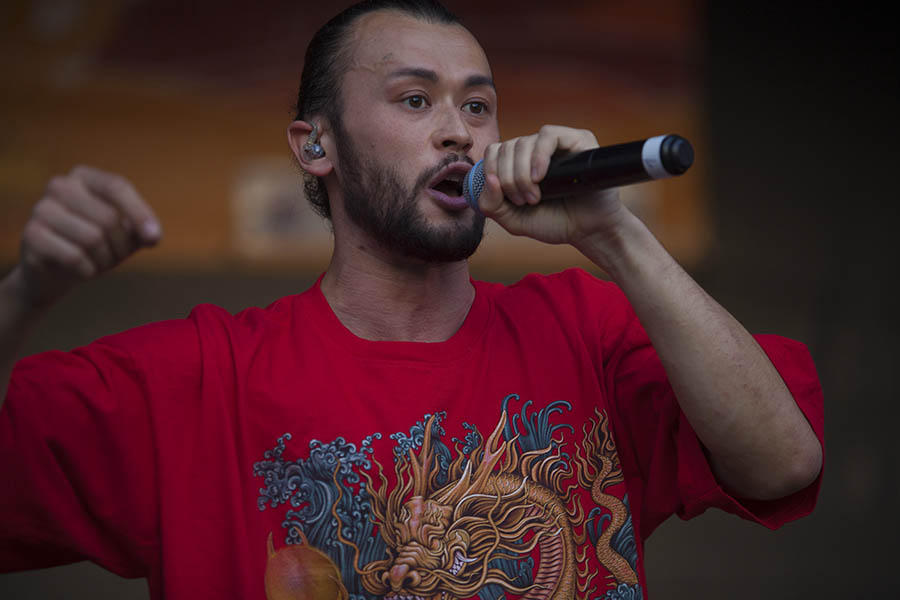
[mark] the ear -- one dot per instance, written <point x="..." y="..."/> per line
<point x="297" y="134"/>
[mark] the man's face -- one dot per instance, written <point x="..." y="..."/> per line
<point x="419" y="108"/>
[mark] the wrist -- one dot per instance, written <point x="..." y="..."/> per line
<point x="16" y="300"/>
<point x="621" y="247"/>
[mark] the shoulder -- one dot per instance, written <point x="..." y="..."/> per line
<point x="209" y="330"/>
<point x="572" y="300"/>
<point x="569" y="288"/>
<point x="214" y="325"/>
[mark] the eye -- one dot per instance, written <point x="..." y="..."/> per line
<point x="416" y="101"/>
<point x="475" y="107"/>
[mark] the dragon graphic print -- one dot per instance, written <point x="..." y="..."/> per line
<point x="532" y="509"/>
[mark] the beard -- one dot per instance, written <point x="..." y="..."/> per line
<point x="377" y="201"/>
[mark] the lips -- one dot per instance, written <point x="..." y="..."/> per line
<point x="446" y="186"/>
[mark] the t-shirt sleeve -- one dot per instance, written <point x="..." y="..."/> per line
<point x="660" y="450"/>
<point x="77" y="456"/>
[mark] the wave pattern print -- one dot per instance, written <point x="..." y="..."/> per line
<point x="317" y="488"/>
<point x="414" y="440"/>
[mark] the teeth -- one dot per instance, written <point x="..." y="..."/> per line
<point x="458" y="561"/>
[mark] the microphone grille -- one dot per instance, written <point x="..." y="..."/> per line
<point x="473" y="185"/>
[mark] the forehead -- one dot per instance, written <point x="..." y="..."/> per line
<point x="385" y="40"/>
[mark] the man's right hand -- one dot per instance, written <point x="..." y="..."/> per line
<point x="86" y="223"/>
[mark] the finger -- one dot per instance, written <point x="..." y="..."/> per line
<point x="506" y="214"/>
<point x="506" y="172"/>
<point x="119" y="192"/>
<point x="43" y="248"/>
<point x="124" y="241"/>
<point x="546" y="145"/>
<point x="528" y="189"/>
<point x="77" y="230"/>
<point x="553" y="139"/>
<point x="491" y="198"/>
<point x="75" y="196"/>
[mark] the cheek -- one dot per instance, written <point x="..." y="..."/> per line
<point x="485" y="137"/>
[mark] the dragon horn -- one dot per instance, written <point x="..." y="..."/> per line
<point x="422" y="469"/>
<point x="493" y="452"/>
<point x="452" y="496"/>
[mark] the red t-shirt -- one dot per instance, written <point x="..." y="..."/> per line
<point x="529" y="455"/>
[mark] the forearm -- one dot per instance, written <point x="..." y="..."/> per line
<point x="760" y="444"/>
<point x="17" y="318"/>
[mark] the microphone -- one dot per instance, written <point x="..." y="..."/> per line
<point x="600" y="168"/>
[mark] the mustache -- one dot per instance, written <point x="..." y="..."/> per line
<point x="428" y="174"/>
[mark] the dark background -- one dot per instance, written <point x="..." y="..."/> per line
<point x="801" y="107"/>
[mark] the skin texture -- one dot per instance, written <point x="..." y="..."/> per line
<point x="416" y="92"/>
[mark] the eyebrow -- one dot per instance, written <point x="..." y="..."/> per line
<point x="429" y="75"/>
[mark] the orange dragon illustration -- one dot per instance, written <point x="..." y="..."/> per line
<point x="450" y="531"/>
<point x="442" y="540"/>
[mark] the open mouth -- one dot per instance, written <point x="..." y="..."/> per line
<point x="459" y="561"/>
<point x="450" y="179"/>
<point x="450" y="187"/>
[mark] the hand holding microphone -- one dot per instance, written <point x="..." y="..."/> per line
<point x="516" y="176"/>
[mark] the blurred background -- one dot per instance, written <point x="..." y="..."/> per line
<point x="785" y="217"/>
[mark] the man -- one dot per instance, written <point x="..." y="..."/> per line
<point x="398" y="430"/>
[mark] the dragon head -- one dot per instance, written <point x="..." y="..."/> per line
<point x="441" y="539"/>
<point x="427" y="554"/>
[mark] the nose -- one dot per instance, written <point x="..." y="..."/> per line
<point x="452" y="132"/>
<point x="401" y="576"/>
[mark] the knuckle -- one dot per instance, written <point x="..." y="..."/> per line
<point x="108" y="220"/>
<point x="32" y="233"/>
<point x="71" y="258"/>
<point x="43" y="210"/>
<point x="95" y="240"/>
<point x="81" y="171"/>
<point x="490" y="155"/>
<point x="120" y="186"/>
<point x="58" y="185"/>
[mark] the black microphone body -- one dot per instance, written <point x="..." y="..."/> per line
<point x="601" y="168"/>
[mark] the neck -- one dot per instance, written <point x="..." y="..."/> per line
<point x="381" y="297"/>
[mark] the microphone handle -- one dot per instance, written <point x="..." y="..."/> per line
<point x="618" y="165"/>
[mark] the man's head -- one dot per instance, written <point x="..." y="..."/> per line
<point x="327" y="59"/>
<point x="404" y="97"/>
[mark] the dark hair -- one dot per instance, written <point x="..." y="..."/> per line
<point x="326" y="63"/>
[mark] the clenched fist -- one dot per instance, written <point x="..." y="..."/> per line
<point x="85" y="223"/>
